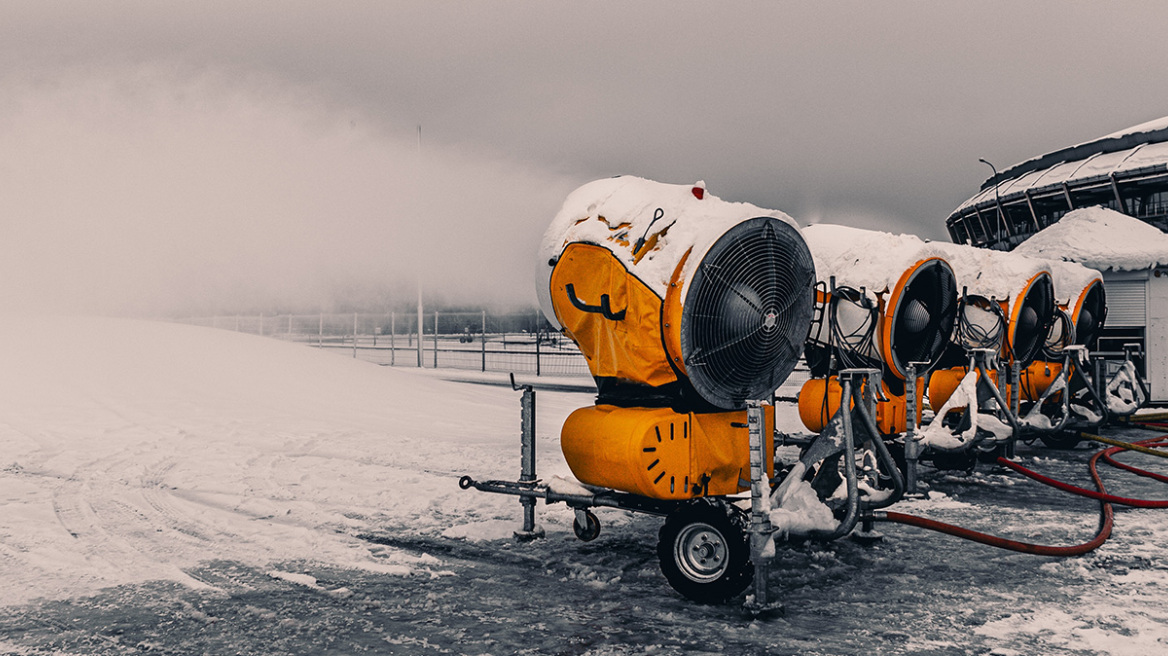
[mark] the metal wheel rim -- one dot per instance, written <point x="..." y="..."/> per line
<point x="701" y="552"/>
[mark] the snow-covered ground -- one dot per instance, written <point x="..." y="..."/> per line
<point x="185" y="490"/>
<point x="131" y="451"/>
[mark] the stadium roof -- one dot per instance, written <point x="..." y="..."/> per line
<point x="1133" y="152"/>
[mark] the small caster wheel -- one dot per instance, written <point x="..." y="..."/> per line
<point x="586" y="526"/>
<point x="465" y="482"/>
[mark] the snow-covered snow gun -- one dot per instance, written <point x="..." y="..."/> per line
<point x="886" y="303"/>
<point x="975" y="392"/>
<point x="688" y="328"/>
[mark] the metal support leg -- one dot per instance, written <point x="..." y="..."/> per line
<point x="527" y="462"/>
<point x="1015" y="408"/>
<point x="760" y="521"/>
<point x="912" y="448"/>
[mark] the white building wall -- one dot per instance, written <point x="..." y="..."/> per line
<point x="1157" y="335"/>
<point x="1140" y="299"/>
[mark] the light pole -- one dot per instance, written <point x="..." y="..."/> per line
<point x="997" y="199"/>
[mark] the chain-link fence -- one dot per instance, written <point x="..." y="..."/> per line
<point x="516" y="342"/>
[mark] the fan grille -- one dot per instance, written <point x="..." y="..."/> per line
<point x="1092" y="313"/>
<point x="1034" y="319"/>
<point x="924" y="320"/>
<point x="748" y="312"/>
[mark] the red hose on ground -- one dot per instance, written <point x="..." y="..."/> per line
<point x="1107" y="457"/>
<point x="1106" y="521"/>
<point x="1083" y="492"/>
<point x="1106" y="517"/>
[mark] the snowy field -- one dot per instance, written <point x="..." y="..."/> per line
<point x="177" y="489"/>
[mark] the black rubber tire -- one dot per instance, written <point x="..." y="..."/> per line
<point x="704" y="550"/>
<point x="1061" y="440"/>
<point x="964" y="460"/>
<point x="591" y="531"/>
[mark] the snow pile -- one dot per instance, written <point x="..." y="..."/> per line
<point x="619" y="213"/>
<point x="799" y="512"/>
<point x="937" y="435"/>
<point x="1124" y="394"/>
<point x="1100" y="238"/>
<point x="134" y="451"/>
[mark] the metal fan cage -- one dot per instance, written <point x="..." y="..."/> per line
<point x="748" y="312"/>
<point x="1092" y="314"/>
<point x="923" y="322"/>
<point x="1033" y="321"/>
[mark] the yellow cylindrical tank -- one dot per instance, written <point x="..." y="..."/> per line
<point x="944" y="382"/>
<point x="662" y="454"/>
<point x="1037" y="378"/>
<point x="819" y="400"/>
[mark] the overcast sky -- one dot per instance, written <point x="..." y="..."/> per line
<point x="173" y="158"/>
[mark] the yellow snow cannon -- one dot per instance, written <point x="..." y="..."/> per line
<point x="1006" y="311"/>
<point x="884" y="302"/>
<point x="1080" y="313"/>
<point x="685" y="307"/>
<point x="1059" y="398"/>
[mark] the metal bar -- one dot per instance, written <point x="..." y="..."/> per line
<point x="1033" y="214"/>
<point x="984" y="227"/>
<point x="527" y="462"/>
<point x="392" y="334"/>
<point x="912" y="448"/>
<point x="435" y="340"/>
<point x="483" y="340"/>
<point x="882" y="453"/>
<point x="985" y="376"/>
<point x="760" y="489"/>
<point x="1115" y="190"/>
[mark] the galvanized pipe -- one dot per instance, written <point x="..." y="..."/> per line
<point x="760" y="490"/>
<point x="527" y="461"/>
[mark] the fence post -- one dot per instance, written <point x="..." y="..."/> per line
<point x="320" y="332"/>
<point x="392" y="333"/>
<point x="420" y="329"/>
<point x="537" y="351"/>
<point x="435" y="339"/>
<point x="483" y="340"/>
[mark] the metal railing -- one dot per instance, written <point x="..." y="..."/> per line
<point x="518" y="343"/>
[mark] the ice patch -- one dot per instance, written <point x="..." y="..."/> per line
<point x="292" y="577"/>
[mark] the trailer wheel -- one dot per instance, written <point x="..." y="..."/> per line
<point x="589" y="530"/>
<point x="704" y="551"/>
